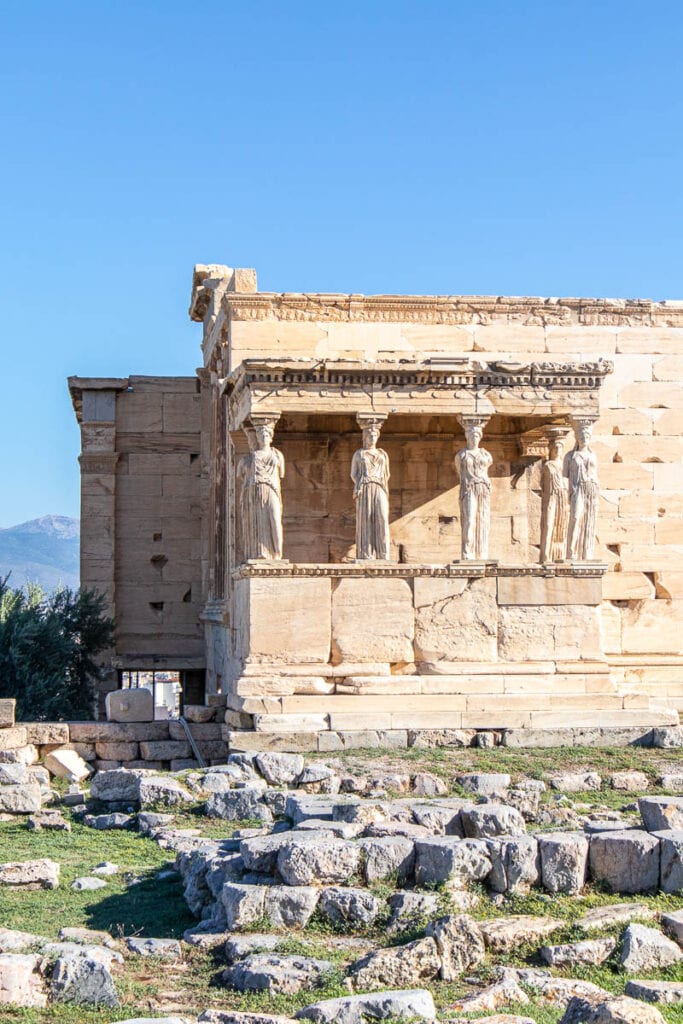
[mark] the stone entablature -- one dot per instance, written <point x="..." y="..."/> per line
<point x="418" y="387"/>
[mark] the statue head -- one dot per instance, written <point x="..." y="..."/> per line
<point x="473" y="434"/>
<point x="370" y="435"/>
<point x="584" y="433"/>
<point x="264" y="435"/>
<point x="556" y="447"/>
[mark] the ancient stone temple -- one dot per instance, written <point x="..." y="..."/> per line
<point x="395" y="519"/>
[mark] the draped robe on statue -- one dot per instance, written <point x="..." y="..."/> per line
<point x="472" y="465"/>
<point x="584" y="493"/>
<point x="554" y="512"/>
<point x="370" y="474"/>
<point x="264" y="502"/>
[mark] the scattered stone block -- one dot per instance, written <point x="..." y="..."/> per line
<point x="502" y="993"/>
<point x="661" y="812"/>
<point x="590" y="951"/>
<point x="614" y="914"/>
<point x="397" y="965"/>
<point x="625" y="861"/>
<point x="290" y="906"/>
<point x="576" y="782"/>
<point x="50" y="820"/>
<point x="485" y="821"/>
<point x="629" y="782"/>
<point x="239" y="946"/>
<point x="410" y="910"/>
<point x="279" y="769"/>
<point x="86" y="884"/>
<point x="387" y="857"/>
<point x="169" y="949"/>
<point x="670" y="860"/>
<point x="136" y="705"/>
<point x="30" y="874"/>
<point x="672" y="923"/>
<point x="21" y="982"/>
<point x="610" y="1010"/>
<point x="244" y="905"/>
<point x="358" y="1009"/>
<point x="20" y="799"/>
<point x="451" y="860"/>
<point x="116" y="820"/>
<point x="485" y="784"/>
<point x="459" y="943"/>
<point x="159" y="789"/>
<point x="239" y="805"/>
<point x="86" y="982"/>
<point x="348" y="907"/>
<point x="275" y="974"/>
<point x="12" y="940"/>
<point x="515" y="864"/>
<point x="668" y="992"/>
<point x="308" y="860"/>
<point x="564" y="861"/>
<point x="503" y="934"/>
<point x="119" y="785"/>
<point x="646" y="949"/>
<point x="666" y="737"/>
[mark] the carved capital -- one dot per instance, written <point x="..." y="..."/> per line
<point x="371" y="419"/>
<point x="262" y="419"/>
<point x="471" y="419"/>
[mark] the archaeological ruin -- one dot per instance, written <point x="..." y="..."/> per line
<point x="393" y="520"/>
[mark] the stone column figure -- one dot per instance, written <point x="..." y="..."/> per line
<point x="584" y="492"/>
<point x="472" y="466"/>
<point x="554" y="500"/>
<point x="262" y="493"/>
<point x="370" y="475"/>
<point x="244" y="474"/>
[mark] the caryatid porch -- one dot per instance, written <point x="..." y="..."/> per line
<point x="319" y="645"/>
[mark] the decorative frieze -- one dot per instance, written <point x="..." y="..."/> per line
<point x="447" y="309"/>
<point x="462" y="570"/>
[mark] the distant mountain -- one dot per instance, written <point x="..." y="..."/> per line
<point x="43" y="551"/>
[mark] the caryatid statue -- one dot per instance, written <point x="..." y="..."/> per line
<point x="244" y="473"/>
<point x="472" y="466"/>
<point x="261" y="498"/>
<point x="554" y="499"/>
<point x="370" y="475"/>
<point x="584" y="494"/>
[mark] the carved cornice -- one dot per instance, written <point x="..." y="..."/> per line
<point x="473" y="570"/>
<point x="436" y="373"/>
<point x="453" y="309"/>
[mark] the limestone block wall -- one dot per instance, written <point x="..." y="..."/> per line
<point x="143" y="499"/>
<point x="159" y="507"/>
<point x="638" y="438"/>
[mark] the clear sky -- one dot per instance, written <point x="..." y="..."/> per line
<point x="510" y="147"/>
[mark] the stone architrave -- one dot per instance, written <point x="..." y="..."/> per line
<point x="584" y="493"/>
<point x="370" y="475"/>
<point x="554" y="499"/>
<point x="244" y="474"/>
<point x="263" y="493"/>
<point x="472" y="466"/>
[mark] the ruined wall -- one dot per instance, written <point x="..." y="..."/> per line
<point x="159" y="494"/>
<point x="143" y="484"/>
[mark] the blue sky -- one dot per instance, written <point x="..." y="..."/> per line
<point x="483" y="147"/>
